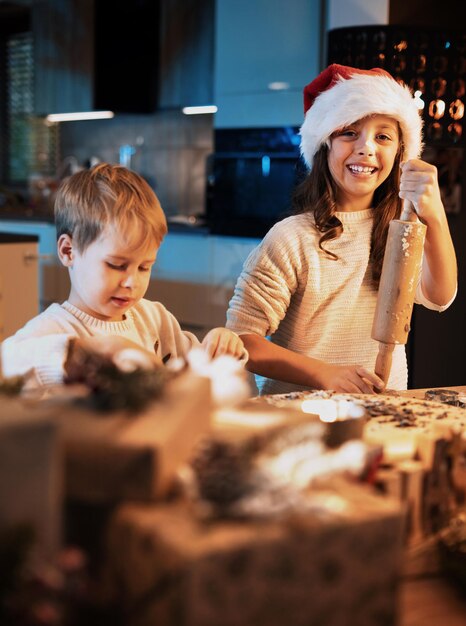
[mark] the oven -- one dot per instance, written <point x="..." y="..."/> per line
<point x="250" y="180"/>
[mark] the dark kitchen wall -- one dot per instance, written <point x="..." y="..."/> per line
<point x="173" y="66"/>
<point x="428" y="13"/>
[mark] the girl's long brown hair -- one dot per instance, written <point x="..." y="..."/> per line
<point x="317" y="194"/>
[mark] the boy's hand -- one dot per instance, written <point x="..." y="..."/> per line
<point x="223" y="341"/>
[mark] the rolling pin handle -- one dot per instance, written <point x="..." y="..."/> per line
<point x="383" y="363"/>
<point x="408" y="214"/>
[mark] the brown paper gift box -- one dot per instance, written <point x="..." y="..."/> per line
<point x="30" y="472"/>
<point x="115" y="456"/>
<point x="164" y="566"/>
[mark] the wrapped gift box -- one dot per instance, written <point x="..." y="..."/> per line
<point x="113" y="456"/>
<point x="30" y="472"/>
<point x="337" y="566"/>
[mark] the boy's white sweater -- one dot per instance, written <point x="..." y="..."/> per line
<point x="41" y="346"/>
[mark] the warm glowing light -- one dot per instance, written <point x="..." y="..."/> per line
<point x="455" y="130"/>
<point x="80" y="115"/>
<point x="330" y="410"/>
<point x="418" y="101"/>
<point x="402" y="45"/>
<point x="200" y="110"/>
<point x="437" y="109"/>
<point x="278" y="85"/>
<point x="456" y="109"/>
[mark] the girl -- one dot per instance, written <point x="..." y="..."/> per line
<point x="312" y="282"/>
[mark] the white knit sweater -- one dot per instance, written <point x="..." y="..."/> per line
<point x="40" y="347"/>
<point x="311" y="304"/>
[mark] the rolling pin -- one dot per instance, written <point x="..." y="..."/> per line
<point x="397" y="288"/>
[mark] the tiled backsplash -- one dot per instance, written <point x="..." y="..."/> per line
<point x="171" y="150"/>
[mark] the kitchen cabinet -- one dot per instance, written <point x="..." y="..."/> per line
<point x="260" y="43"/>
<point x="19" y="295"/>
<point x="63" y="35"/>
<point x="95" y="55"/>
<point x="186" y="53"/>
<point x="52" y="282"/>
<point x="341" y="13"/>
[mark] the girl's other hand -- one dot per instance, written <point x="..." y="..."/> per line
<point x="350" y="379"/>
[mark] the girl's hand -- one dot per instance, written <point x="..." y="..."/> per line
<point x="349" y="379"/>
<point x="419" y="184"/>
<point x="223" y="341"/>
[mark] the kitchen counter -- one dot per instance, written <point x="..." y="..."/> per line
<point x="177" y="224"/>
<point x="194" y="275"/>
<point x="26" y="214"/>
<point x="420" y="393"/>
<point x="17" y="238"/>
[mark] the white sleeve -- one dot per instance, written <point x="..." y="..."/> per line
<point x="420" y="298"/>
<point x="264" y="289"/>
<point x="42" y="356"/>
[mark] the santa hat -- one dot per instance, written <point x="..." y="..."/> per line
<point x="341" y="95"/>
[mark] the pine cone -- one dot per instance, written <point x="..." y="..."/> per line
<point x="112" y="389"/>
<point x="222" y="471"/>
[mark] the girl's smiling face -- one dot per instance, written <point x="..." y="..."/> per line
<point x="360" y="158"/>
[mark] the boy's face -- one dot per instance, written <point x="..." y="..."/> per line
<point x="110" y="276"/>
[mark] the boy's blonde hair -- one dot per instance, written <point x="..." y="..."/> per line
<point x="108" y="195"/>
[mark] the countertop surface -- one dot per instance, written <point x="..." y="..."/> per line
<point x="175" y="224"/>
<point x="17" y="238"/>
<point x="26" y="214"/>
<point x="419" y="393"/>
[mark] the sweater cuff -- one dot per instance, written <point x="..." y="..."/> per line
<point x="51" y="370"/>
<point x="245" y="325"/>
<point x="421" y="299"/>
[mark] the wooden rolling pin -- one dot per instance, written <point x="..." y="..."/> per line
<point x="398" y="282"/>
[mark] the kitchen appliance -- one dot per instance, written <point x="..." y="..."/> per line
<point x="250" y="179"/>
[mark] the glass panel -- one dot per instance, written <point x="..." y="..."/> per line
<point x="31" y="143"/>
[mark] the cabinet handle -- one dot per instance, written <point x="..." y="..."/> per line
<point x="31" y="257"/>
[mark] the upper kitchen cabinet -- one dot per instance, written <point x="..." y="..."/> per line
<point x="265" y="52"/>
<point x="126" y="55"/>
<point x="186" y="53"/>
<point x="63" y="32"/>
<point x="96" y="54"/>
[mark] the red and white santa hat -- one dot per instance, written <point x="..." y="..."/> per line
<point x="341" y="95"/>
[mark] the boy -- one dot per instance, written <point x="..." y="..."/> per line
<point x="109" y="228"/>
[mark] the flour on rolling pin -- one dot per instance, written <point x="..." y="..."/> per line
<point x="397" y="287"/>
<point x="400" y="273"/>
